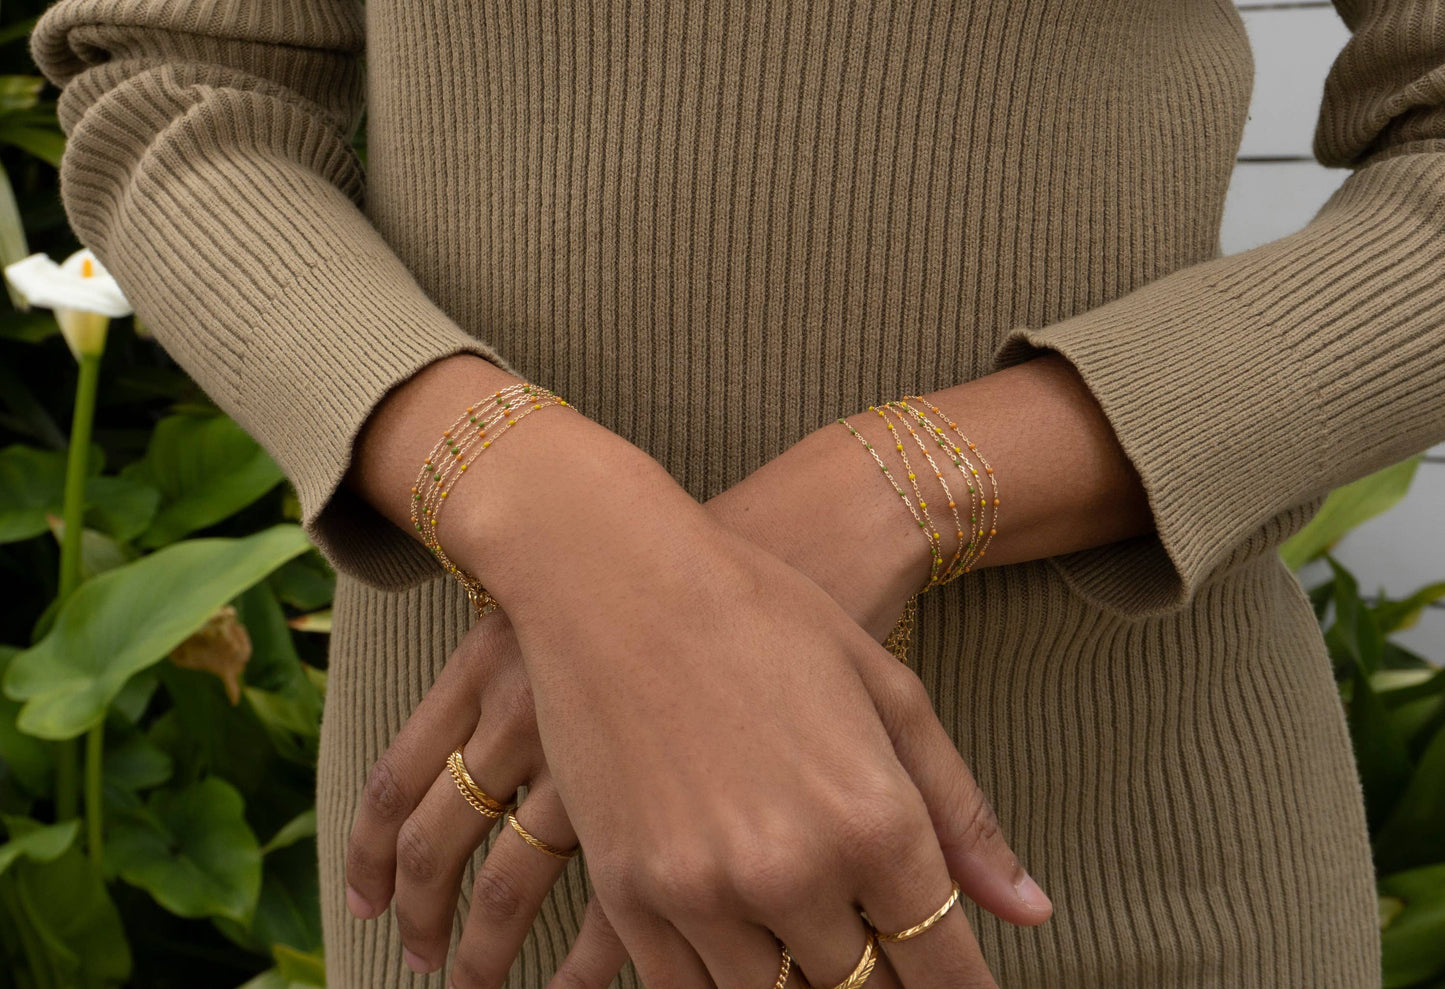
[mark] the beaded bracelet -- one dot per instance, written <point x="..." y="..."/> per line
<point x="472" y="433"/>
<point x="965" y="540"/>
<point x="988" y="468"/>
<point x="898" y="640"/>
<point x="965" y="557"/>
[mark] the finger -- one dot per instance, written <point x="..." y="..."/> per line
<point x="909" y="890"/>
<point x="827" y="943"/>
<point x="661" y="955"/>
<point x="987" y="869"/>
<point x="436" y="842"/>
<point x="509" y="889"/>
<point x="397" y="782"/>
<point x="738" y="955"/>
<point x="596" y="956"/>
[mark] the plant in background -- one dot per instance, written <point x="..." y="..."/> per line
<point x="1395" y="701"/>
<point x="159" y="588"/>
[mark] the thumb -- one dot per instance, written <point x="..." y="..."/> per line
<point x="987" y="870"/>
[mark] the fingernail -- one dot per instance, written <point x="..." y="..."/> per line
<point x="414" y="962"/>
<point x="357" y="904"/>
<point x="1031" y="894"/>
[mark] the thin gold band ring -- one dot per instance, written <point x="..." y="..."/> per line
<point x="538" y="843"/>
<point x="864" y="968"/>
<point x="917" y="929"/>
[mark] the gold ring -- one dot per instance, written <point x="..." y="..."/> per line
<point x="933" y="918"/>
<point x="484" y="804"/>
<point x="864" y="968"/>
<point x="538" y="843"/>
<point x="787" y="966"/>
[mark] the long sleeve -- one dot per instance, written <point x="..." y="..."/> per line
<point x="209" y="167"/>
<point x="1246" y="387"/>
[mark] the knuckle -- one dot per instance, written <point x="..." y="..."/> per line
<point x="879" y="826"/>
<point x="775" y="882"/>
<point x="568" y="977"/>
<point x="468" y="972"/>
<point x="362" y="867"/>
<point x="416" y="853"/>
<point x="977" y="825"/>
<point x="496" y="895"/>
<point x="383" y="793"/>
<point x="683" y="883"/>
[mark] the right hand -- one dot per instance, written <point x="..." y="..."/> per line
<point x="729" y="745"/>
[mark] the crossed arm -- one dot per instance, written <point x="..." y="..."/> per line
<point x="614" y="723"/>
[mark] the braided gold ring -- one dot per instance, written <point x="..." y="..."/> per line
<point x="480" y="800"/>
<point x="864" y="968"/>
<point x="787" y="966"/>
<point x="538" y="843"/>
<point x="919" y="928"/>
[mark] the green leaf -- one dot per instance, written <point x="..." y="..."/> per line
<point x="192" y="851"/>
<point x="1413" y="942"/>
<point x="129" y="618"/>
<point x="122" y="507"/>
<point x="1414" y="834"/>
<point x="32" y="483"/>
<point x="1380" y="750"/>
<point x="43" y="142"/>
<point x="63" y="904"/>
<point x="137" y="764"/>
<point x="301" y="826"/>
<point x="207" y="468"/>
<point x="37" y="842"/>
<point x="28" y="758"/>
<point x="1355" y="635"/>
<point x="308" y="969"/>
<point x="1347" y="507"/>
<point x="1393" y="616"/>
<point x="19" y="92"/>
<point x="98" y="552"/>
<point x="307" y="582"/>
<point x="277" y="689"/>
<point x="289" y="910"/>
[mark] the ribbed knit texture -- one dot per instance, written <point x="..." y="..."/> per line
<point x="714" y="227"/>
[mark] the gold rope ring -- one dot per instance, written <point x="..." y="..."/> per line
<point x="933" y="918"/>
<point x="538" y="843"/>
<point x="864" y="968"/>
<point x="480" y="800"/>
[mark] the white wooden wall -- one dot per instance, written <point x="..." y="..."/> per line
<point x="1277" y="188"/>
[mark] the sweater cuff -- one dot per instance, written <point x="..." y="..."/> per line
<point x="370" y="327"/>
<point x="1219" y="423"/>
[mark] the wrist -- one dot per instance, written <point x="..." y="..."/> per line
<point x="562" y="506"/>
<point x="823" y="507"/>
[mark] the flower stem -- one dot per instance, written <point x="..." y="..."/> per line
<point x="94" y="810"/>
<point x="67" y="782"/>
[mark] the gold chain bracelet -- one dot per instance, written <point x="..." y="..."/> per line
<point x="473" y="432"/>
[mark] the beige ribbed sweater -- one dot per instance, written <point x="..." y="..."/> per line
<point x="715" y="226"/>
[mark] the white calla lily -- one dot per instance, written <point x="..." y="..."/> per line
<point x="82" y="293"/>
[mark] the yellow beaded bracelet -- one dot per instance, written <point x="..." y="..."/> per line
<point x="473" y="432"/>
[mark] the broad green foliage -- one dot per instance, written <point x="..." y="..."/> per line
<point x="128" y="618"/>
<point x="192" y="850"/>
<point x="206" y="468"/>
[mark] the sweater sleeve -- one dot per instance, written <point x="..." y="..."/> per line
<point x="209" y="167"/>
<point x="1246" y="387"/>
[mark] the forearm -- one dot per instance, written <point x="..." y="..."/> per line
<point x="1064" y="485"/>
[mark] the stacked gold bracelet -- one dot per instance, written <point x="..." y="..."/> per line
<point x="473" y="432"/>
<point x="973" y="541"/>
